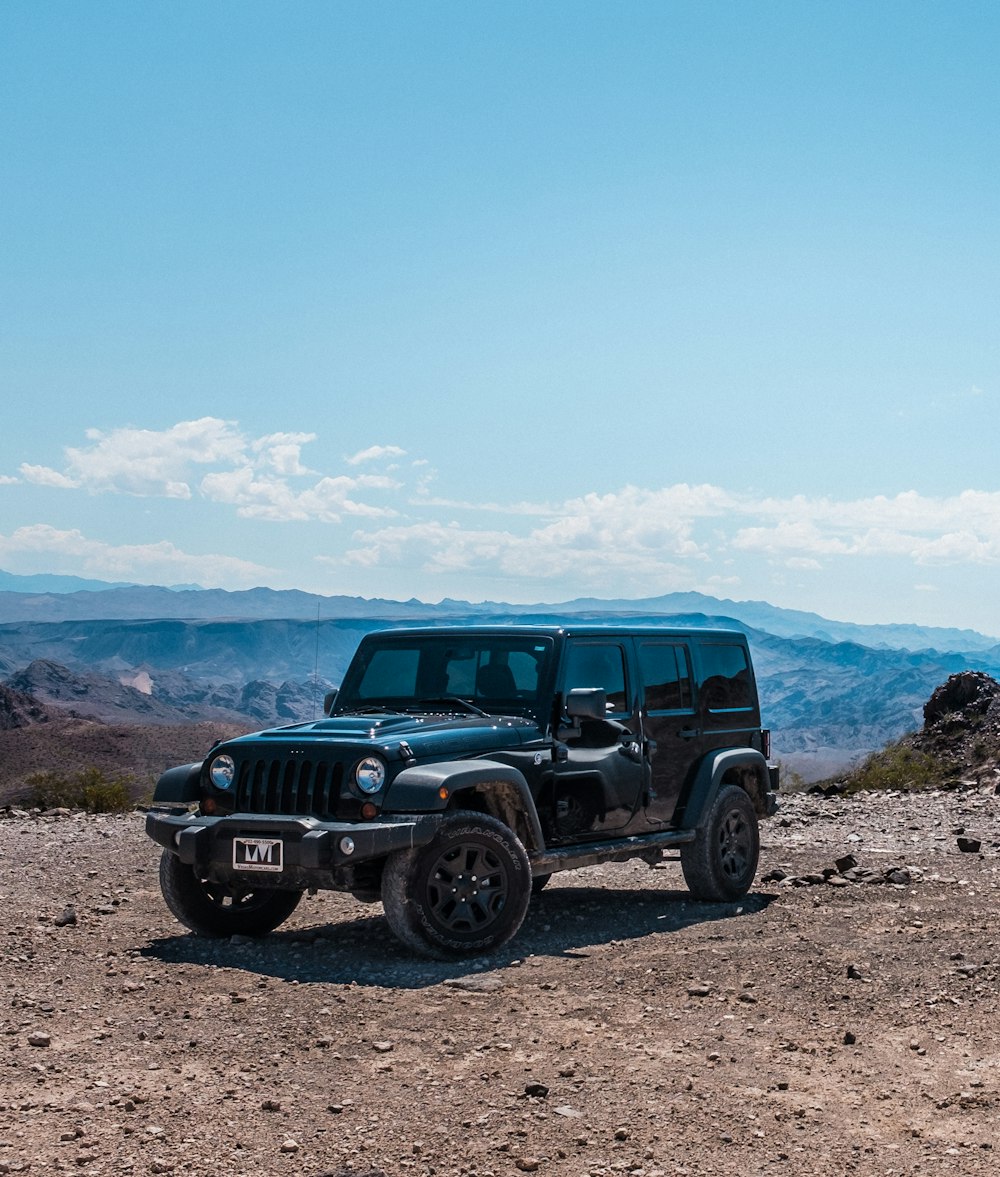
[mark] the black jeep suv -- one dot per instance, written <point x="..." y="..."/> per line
<point x="457" y="769"/>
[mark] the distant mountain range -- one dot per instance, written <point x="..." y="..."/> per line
<point x="49" y="582"/>
<point x="67" y="598"/>
<point x="143" y="654"/>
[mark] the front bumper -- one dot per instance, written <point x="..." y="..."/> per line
<point x="314" y="853"/>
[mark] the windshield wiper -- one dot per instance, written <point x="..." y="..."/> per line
<point x="378" y="709"/>
<point x="455" y="702"/>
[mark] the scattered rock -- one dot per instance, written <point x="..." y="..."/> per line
<point x="969" y="845"/>
<point x="828" y="789"/>
<point x="475" y="984"/>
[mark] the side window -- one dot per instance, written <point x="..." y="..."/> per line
<point x="665" y="676"/>
<point x="725" y="682"/>
<point x="598" y="664"/>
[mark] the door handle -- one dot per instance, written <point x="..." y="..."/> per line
<point x="631" y="748"/>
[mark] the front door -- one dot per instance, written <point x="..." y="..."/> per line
<point x="599" y="787"/>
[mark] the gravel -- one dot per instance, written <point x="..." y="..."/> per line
<point x="840" y="1019"/>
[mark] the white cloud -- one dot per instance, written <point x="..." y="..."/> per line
<point x="327" y="501"/>
<point x="41" y="548"/>
<point x="628" y="541"/>
<point x="649" y="541"/>
<point x="282" y="452"/>
<point x="263" y="478"/>
<point x="962" y="528"/>
<point x="633" y="538"/>
<point x="145" y="462"/>
<point x="45" y="476"/>
<point x="375" y="453"/>
<point x="803" y="564"/>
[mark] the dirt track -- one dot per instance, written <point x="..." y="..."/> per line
<point x="815" y="1028"/>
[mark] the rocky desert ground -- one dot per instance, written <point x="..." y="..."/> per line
<point x="843" y="1018"/>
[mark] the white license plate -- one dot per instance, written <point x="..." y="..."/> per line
<point x="265" y="854"/>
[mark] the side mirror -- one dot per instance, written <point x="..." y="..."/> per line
<point x="328" y="701"/>
<point x="587" y="703"/>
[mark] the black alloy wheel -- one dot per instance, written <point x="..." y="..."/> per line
<point x="721" y="863"/>
<point x="464" y="893"/>
<point x="213" y="909"/>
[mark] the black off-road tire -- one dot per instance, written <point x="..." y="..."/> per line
<point x="463" y="894"/>
<point x="210" y="909"/>
<point x="720" y="865"/>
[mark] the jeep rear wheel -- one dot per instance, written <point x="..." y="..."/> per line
<point x="720" y="865"/>
<point x="213" y="909"/>
<point x="466" y="892"/>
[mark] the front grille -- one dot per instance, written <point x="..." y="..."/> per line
<point x="299" y="787"/>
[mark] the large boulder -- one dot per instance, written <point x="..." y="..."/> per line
<point x="964" y="696"/>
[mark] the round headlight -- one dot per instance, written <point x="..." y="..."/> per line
<point x="222" y="771"/>
<point x="369" y="774"/>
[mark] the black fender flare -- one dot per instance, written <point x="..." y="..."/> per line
<point x="708" y="781"/>
<point x="180" y="785"/>
<point x="418" y="790"/>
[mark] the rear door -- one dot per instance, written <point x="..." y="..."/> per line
<point x="670" y="723"/>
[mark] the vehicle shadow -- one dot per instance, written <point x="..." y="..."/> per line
<point x="570" y="922"/>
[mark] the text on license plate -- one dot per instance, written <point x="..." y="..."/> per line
<point x="258" y="854"/>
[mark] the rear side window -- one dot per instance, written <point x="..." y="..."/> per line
<point x="665" y="676"/>
<point x="725" y="678"/>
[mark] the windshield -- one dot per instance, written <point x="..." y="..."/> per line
<point x="481" y="672"/>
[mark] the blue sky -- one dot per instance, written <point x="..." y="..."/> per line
<point x="510" y="301"/>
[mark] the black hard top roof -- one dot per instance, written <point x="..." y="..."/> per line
<point x="568" y="629"/>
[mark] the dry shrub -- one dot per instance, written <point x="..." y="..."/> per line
<point x="88" y="789"/>
<point x="898" y="767"/>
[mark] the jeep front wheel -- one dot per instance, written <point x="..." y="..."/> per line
<point x="720" y="865"/>
<point x="466" y="892"/>
<point x="212" y="909"/>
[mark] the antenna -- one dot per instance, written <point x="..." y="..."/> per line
<point x="316" y="668"/>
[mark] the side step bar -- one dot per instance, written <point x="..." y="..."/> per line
<point x="616" y="850"/>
